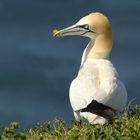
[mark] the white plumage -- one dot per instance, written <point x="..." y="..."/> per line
<point x="97" y="79"/>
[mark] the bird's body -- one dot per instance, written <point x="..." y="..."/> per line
<point x="97" y="93"/>
<point x="97" y="80"/>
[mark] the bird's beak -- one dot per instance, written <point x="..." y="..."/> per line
<point x="69" y="31"/>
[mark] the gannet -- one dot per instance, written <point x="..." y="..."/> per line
<point x="97" y="94"/>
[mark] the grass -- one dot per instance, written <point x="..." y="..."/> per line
<point x="126" y="127"/>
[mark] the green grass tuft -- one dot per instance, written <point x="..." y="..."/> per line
<point x="126" y="127"/>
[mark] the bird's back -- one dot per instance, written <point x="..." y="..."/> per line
<point x="97" y="80"/>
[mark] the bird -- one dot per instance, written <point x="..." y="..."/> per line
<point x="97" y="94"/>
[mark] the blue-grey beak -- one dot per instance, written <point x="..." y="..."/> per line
<point x="82" y="30"/>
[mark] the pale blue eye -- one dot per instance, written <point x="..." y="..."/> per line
<point x="86" y="27"/>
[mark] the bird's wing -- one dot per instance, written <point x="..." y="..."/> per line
<point x="98" y="81"/>
<point x="116" y="94"/>
<point x="84" y="90"/>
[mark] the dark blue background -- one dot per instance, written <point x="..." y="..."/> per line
<point x="37" y="69"/>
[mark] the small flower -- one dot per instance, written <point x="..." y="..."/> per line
<point x="56" y="33"/>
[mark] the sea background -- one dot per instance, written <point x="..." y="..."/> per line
<point x="36" y="69"/>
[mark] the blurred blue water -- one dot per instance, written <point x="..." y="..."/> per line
<point x="36" y="69"/>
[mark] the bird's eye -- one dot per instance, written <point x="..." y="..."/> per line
<point x="86" y="26"/>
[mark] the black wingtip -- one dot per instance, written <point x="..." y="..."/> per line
<point x="100" y="109"/>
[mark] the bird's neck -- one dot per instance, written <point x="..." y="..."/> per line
<point x="101" y="47"/>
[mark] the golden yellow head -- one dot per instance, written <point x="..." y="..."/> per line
<point x="96" y="26"/>
<point x="97" y="22"/>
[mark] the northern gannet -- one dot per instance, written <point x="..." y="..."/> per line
<point x="97" y="93"/>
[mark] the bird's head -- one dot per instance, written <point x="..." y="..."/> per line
<point x="90" y="26"/>
<point x="96" y="26"/>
